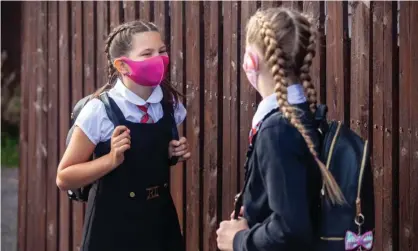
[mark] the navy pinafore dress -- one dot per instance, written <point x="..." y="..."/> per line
<point x="131" y="208"/>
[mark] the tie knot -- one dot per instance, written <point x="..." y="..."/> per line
<point x="143" y="108"/>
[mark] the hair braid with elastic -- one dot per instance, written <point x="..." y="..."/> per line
<point x="281" y="63"/>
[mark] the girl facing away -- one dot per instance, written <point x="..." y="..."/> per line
<point x="281" y="198"/>
<point x="129" y="205"/>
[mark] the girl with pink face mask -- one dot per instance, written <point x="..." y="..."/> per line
<point x="129" y="205"/>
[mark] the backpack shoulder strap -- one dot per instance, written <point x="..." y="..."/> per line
<point x="168" y="108"/>
<point x="112" y="110"/>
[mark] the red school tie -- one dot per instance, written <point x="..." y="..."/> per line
<point x="253" y="131"/>
<point x="146" y="118"/>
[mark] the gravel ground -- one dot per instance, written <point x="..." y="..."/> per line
<point x="9" y="191"/>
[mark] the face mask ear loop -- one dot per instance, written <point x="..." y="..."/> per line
<point x="251" y="66"/>
<point x="254" y="58"/>
<point x="254" y="61"/>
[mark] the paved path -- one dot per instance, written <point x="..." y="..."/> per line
<point x="9" y="191"/>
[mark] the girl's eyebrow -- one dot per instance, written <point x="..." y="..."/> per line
<point x="146" y="50"/>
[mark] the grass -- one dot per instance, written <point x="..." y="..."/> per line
<point x="9" y="151"/>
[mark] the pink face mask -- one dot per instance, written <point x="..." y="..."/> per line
<point x="250" y="67"/>
<point x="149" y="72"/>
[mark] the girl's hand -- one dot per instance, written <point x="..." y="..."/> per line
<point x="179" y="148"/>
<point x="227" y="231"/>
<point x="120" y="142"/>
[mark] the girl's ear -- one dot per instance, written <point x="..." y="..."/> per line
<point x="121" y="66"/>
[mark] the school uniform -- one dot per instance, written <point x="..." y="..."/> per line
<point x="131" y="207"/>
<point x="282" y="194"/>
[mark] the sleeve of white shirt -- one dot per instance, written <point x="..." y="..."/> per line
<point x="93" y="121"/>
<point x="179" y="113"/>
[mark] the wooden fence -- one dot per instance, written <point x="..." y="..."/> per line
<point x="364" y="71"/>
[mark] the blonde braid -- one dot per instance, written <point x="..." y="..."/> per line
<point x="304" y="70"/>
<point x="279" y="66"/>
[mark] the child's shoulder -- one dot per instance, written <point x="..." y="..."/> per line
<point x="274" y="120"/>
<point x="93" y="104"/>
<point x="93" y="109"/>
<point x="94" y="122"/>
<point x="276" y="125"/>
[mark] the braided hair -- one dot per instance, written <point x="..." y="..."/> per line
<point x="119" y="43"/>
<point x="287" y="40"/>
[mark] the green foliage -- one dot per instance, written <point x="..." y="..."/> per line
<point x="9" y="150"/>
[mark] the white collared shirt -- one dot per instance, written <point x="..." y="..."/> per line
<point x="295" y="95"/>
<point x="93" y="120"/>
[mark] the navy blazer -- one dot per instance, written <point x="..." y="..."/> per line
<point x="284" y="182"/>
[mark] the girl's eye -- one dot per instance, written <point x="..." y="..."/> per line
<point x="146" y="54"/>
<point x="163" y="51"/>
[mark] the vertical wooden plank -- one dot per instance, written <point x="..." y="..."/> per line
<point x="130" y="10"/>
<point x="145" y="10"/>
<point x="413" y="132"/>
<point x="88" y="40"/>
<point x="102" y="32"/>
<point x="405" y="82"/>
<point x="53" y="116"/>
<point x="315" y="11"/>
<point x="176" y="75"/>
<point x="247" y="93"/>
<point x="383" y="130"/>
<point x="24" y="127"/>
<point x="360" y="72"/>
<point x="30" y="214"/>
<point x="336" y="60"/>
<point x="37" y="174"/>
<point x="77" y="94"/>
<point x="64" y="111"/>
<point x="210" y="170"/>
<point x="160" y="19"/>
<point x="270" y="4"/>
<point x="414" y="127"/>
<point x="296" y="5"/>
<point x="230" y="112"/>
<point x="408" y="142"/>
<point x="193" y="123"/>
<point x="115" y="17"/>
<point x="40" y="174"/>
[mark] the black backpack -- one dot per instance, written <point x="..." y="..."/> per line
<point x="347" y="157"/>
<point x="82" y="194"/>
<point x="349" y="226"/>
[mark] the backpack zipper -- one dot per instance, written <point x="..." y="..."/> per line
<point x="363" y="164"/>
<point x="331" y="149"/>
<point x="360" y="182"/>
<point x="332" y="238"/>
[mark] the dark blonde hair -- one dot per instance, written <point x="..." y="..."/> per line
<point x="287" y="39"/>
<point x="119" y="43"/>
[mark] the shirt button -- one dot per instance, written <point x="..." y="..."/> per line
<point x="165" y="184"/>
<point x="131" y="194"/>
